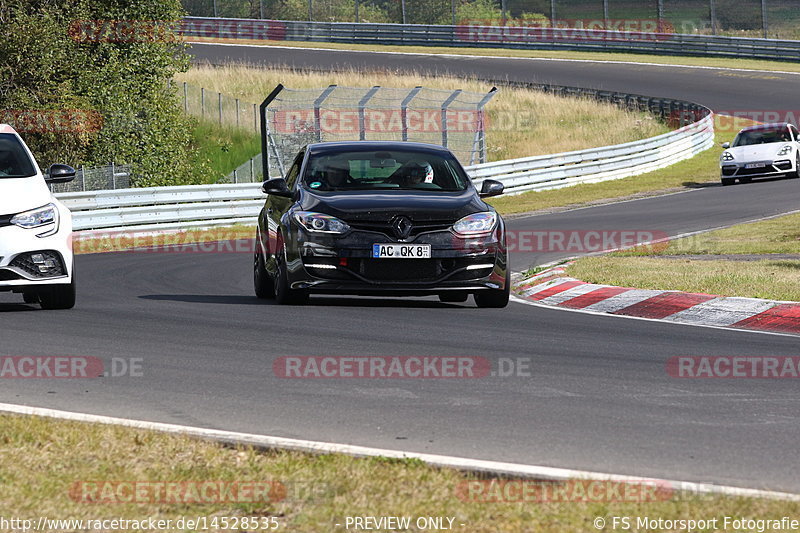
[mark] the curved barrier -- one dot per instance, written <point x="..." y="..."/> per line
<point x="174" y="208"/>
<point x="478" y="36"/>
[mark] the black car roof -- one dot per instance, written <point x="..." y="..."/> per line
<point x="405" y="146"/>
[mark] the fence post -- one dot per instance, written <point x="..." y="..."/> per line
<point x="482" y="124"/>
<point x="403" y="10"/>
<point x="235" y="175"/>
<point x="553" y="13"/>
<point x="605" y="14"/>
<point x="185" y="98"/>
<point x="362" y="130"/>
<point x="237" y="112"/>
<point x="445" y="105"/>
<point x="356" y="17"/>
<point x="255" y="118"/>
<point x="453" y="11"/>
<point x="265" y="129"/>
<point x="219" y="103"/>
<point x="202" y="102"/>
<point x="713" y="9"/>
<point x="113" y="176"/>
<point x="317" y="104"/>
<point x="404" y="109"/>
<point x="764" y="17"/>
<point x="252" y="170"/>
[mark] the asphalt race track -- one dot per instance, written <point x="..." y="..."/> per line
<point x="598" y="396"/>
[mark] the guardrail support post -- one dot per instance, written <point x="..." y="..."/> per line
<point x="445" y="105"/>
<point x="404" y="109"/>
<point x="362" y="127"/>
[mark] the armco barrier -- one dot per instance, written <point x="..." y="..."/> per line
<point x="172" y="208"/>
<point x="512" y="37"/>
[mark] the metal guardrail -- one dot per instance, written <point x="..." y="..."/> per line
<point x="192" y="206"/>
<point x="513" y="37"/>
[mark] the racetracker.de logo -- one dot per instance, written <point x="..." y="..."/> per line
<point x="152" y="31"/>
<point x="572" y="241"/>
<point x="572" y="491"/>
<point x="177" y="492"/>
<point x="574" y="30"/>
<point x="67" y="367"/>
<point x="52" y="120"/>
<point x="733" y="367"/>
<point x="378" y="367"/>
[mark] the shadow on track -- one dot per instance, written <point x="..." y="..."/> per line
<point x="324" y="301"/>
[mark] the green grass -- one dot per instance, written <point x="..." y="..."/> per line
<point x="221" y="149"/>
<point x="771" y="278"/>
<point x="44" y="459"/>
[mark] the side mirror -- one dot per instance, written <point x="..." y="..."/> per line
<point x="491" y="188"/>
<point x="60" y="174"/>
<point x="726" y="145"/>
<point x="276" y="187"/>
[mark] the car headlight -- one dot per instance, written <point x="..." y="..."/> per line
<point x="320" y="223"/>
<point x="37" y="218"/>
<point x="786" y="150"/>
<point x="727" y="156"/>
<point x="475" y="224"/>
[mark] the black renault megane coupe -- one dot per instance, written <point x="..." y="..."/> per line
<point x="380" y="219"/>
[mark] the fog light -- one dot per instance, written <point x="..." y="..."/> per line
<point x="37" y="258"/>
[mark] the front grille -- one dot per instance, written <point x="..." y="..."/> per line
<point x="401" y="269"/>
<point x="753" y="171"/>
<point x="7" y="275"/>
<point x="26" y="263"/>
<point x="416" y="228"/>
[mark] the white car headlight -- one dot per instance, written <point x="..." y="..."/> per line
<point x="475" y="224"/>
<point x="37" y="218"/>
<point x="727" y="156"/>
<point x="320" y="223"/>
<point x="786" y="150"/>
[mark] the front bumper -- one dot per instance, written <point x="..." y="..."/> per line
<point x="345" y="264"/>
<point x="19" y="261"/>
<point x="779" y="167"/>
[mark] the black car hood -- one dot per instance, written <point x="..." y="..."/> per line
<point x="378" y="206"/>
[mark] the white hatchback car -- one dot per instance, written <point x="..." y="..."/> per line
<point x="35" y="228"/>
<point x="762" y="151"/>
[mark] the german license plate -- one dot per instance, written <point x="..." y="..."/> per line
<point x="401" y="251"/>
<point x="755" y="165"/>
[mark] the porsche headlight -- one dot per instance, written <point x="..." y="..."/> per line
<point x="786" y="150"/>
<point x="37" y="218"/>
<point x="320" y="223"/>
<point x="475" y="224"/>
<point x="727" y="156"/>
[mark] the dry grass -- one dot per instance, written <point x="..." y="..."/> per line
<point x="521" y="122"/>
<point x="44" y="458"/>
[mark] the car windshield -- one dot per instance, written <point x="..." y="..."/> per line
<point x="758" y="136"/>
<point x="384" y="170"/>
<point x="14" y="160"/>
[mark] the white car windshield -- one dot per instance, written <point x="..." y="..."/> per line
<point x="14" y="160"/>
<point x="776" y="135"/>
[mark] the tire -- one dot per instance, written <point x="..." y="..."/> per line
<point x="494" y="298"/>
<point x="796" y="173"/>
<point x="728" y="181"/>
<point x="263" y="284"/>
<point x="30" y="297"/>
<point x="58" y="296"/>
<point x="453" y="297"/>
<point x="284" y="294"/>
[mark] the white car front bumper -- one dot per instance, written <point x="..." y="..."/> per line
<point x="20" y="270"/>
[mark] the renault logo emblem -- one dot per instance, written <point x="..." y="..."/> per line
<point x="402" y="227"/>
